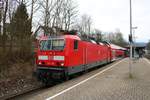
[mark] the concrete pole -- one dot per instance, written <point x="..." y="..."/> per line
<point x="130" y="62"/>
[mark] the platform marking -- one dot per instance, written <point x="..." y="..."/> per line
<point x="147" y="60"/>
<point x="52" y="97"/>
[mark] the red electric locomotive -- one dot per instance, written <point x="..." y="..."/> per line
<point x="61" y="56"/>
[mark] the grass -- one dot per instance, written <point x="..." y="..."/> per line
<point x="130" y="75"/>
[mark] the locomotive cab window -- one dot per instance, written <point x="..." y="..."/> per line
<point x="52" y="44"/>
<point x="75" y="44"/>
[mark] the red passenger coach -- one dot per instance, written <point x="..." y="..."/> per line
<point x="117" y="52"/>
<point x="61" y="56"/>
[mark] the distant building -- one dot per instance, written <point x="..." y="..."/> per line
<point x="138" y="47"/>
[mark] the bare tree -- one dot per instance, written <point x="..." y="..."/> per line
<point x="58" y="13"/>
<point x="34" y="8"/>
<point x="85" y="24"/>
<point x="70" y="13"/>
<point x="115" y="38"/>
<point x="47" y="8"/>
<point x="99" y="36"/>
<point x="1" y="15"/>
<point x="12" y="5"/>
<point x="4" y="24"/>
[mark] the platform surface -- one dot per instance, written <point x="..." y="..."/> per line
<point x="112" y="84"/>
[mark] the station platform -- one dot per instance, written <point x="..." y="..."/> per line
<point x="114" y="84"/>
<point x="111" y="82"/>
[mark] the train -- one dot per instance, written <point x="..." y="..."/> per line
<point x="59" y="57"/>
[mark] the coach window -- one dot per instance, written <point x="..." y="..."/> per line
<point x="75" y="44"/>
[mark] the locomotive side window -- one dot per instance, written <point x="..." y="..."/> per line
<point x="75" y="44"/>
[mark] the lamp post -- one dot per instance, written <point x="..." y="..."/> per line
<point x="130" y="62"/>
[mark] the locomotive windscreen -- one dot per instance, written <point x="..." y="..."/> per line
<point x="53" y="44"/>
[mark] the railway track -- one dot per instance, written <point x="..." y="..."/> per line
<point x="29" y="90"/>
<point x="32" y="89"/>
<point x="42" y="87"/>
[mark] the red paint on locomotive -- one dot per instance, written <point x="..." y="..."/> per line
<point x="69" y="54"/>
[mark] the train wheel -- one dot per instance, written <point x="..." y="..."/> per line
<point x="47" y="81"/>
<point x="85" y="71"/>
<point x="66" y="77"/>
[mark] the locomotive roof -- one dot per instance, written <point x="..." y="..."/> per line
<point x="76" y="37"/>
<point x="71" y="37"/>
<point x="60" y="36"/>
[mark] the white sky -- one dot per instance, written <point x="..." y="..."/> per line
<point x="109" y="15"/>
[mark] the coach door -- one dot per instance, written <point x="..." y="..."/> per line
<point x="109" y="55"/>
<point x="113" y="55"/>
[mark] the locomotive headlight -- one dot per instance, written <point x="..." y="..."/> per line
<point x="40" y="63"/>
<point x="62" y="58"/>
<point x="42" y="57"/>
<point x="62" y="64"/>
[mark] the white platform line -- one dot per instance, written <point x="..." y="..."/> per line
<point x="147" y="60"/>
<point x="52" y="97"/>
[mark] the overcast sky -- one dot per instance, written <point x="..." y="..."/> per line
<point x="109" y="15"/>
